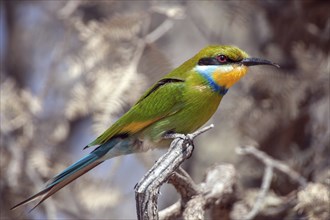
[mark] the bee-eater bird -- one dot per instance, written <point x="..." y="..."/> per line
<point x="180" y="102"/>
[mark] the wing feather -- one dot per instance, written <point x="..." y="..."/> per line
<point x="161" y="100"/>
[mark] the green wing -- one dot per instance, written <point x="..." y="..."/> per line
<point x="161" y="100"/>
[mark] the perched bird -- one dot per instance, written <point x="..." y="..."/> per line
<point x="180" y="102"/>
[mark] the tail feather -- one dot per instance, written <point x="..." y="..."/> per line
<point x="77" y="169"/>
<point x="30" y="199"/>
<point x="80" y="164"/>
<point x="64" y="178"/>
<point x="65" y="182"/>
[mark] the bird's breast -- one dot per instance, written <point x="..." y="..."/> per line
<point x="200" y="103"/>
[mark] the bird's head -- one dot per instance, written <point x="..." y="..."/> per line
<point x="224" y="65"/>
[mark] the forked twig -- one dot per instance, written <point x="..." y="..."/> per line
<point x="270" y="164"/>
<point x="146" y="191"/>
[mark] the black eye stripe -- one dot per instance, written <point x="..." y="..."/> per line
<point x="214" y="61"/>
<point x="208" y="61"/>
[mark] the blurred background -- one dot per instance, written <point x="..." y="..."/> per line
<point x="69" y="69"/>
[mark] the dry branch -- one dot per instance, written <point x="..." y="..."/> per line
<point x="269" y="161"/>
<point x="146" y="191"/>
<point x="215" y="192"/>
<point x="270" y="164"/>
<point x="217" y="188"/>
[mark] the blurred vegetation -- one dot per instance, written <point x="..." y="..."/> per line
<point x="70" y="68"/>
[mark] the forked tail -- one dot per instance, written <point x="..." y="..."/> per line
<point x="71" y="173"/>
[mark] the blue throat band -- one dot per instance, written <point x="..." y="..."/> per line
<point x="206" y="72"/>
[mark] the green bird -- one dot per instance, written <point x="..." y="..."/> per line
<point x="181" y="102"/>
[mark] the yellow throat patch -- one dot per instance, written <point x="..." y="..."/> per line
<point x="227" y="76"/>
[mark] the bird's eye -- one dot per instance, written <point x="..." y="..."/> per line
<point x="222" y="58"/>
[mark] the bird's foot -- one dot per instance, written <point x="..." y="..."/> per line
<point x="188" y="139"/>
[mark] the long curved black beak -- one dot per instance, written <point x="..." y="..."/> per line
<point x="257" y="61"/>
